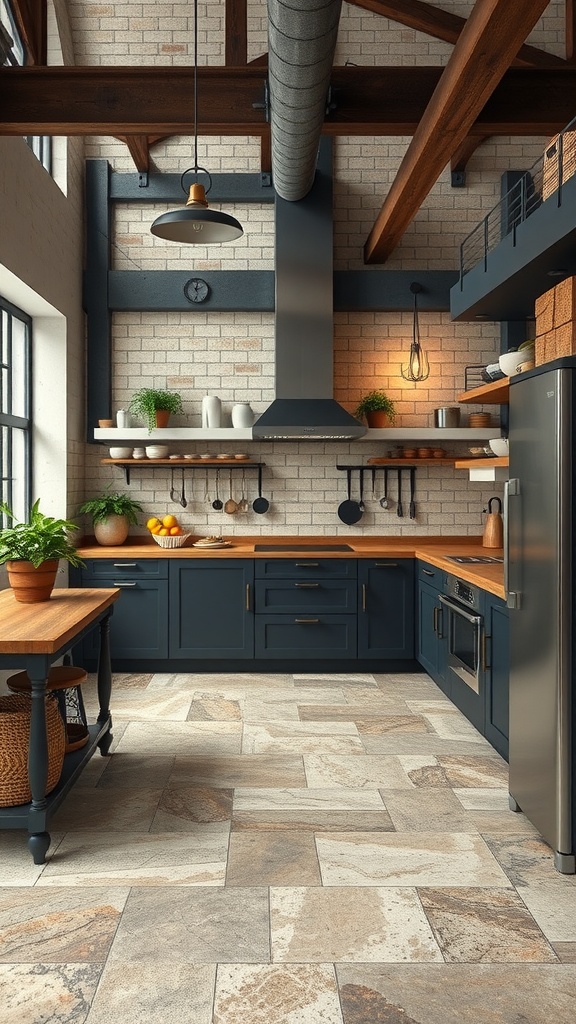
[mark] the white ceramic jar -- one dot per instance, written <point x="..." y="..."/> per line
<point x="242" y="415"/>
<point x="211" y="412"/>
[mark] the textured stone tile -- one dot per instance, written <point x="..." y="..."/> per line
<point x="276" y="994"/>
<point x="301" y="738"/>
<point x="192" y="926"/>
<point x="552" y="903"/>
<point x="458" y="772"/>
<point x="424" y="743"/>
<point x="484" y="799"/>
<point x="526" y="860"/>
<point x="416" y="858"/>
<point x="135" y="770"/>
<point x="204" y="681"/>
<point x="41" y="993"/>
<point x="306" y="799"/>
<point x="182" y="738"/>
<point x="16" y="865"/>
<point x="139" y="858"/>
<point x="272" y="858"/>
<point x="146" y="704"/>
<point x="495" y="824"/>
<point x="214" y="708"/>
<point x="484" y="925"/>
<point x="254" y="710"/>
<point x="419" y="810"/>
<point x="58" y="925"/>
<point x="458" y="994"/>
<point x="154" y="993"/>
<point x="345" y="678"/>
<point x="344" y="925"/>
<point x="314" y="821"/>
<point x="129" y="810"/>
<point x="183" y="806"/>
<point x="370" y="772"/>
<point x="286" y="770"/>
<point x="565" y="951"/>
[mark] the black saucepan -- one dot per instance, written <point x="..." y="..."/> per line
<point x="349" y="511"/>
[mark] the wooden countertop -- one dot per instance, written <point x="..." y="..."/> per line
<point x="44" y="627"/>
<point x="431" y="549"/>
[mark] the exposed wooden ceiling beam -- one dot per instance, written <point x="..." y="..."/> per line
<point x="370" y="101"/>
<point x="236" y="32"/>
<point x="139" y="147"/>
<point x="440" y="24"/>
<point x="570" y="30"/>
<point x="495" y="28"/>
<point x="31" y="21"/>
<point x="461" y="156"/>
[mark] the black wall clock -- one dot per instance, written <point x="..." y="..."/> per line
<point x="196" y="290"/>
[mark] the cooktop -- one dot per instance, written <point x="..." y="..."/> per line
<point x="474" y="559"/>
<point x="303" y="547"/>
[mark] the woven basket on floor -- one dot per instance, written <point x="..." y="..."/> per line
<point x="15" y="712"/>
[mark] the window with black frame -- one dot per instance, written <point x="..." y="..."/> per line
<point x="15" y="408"/>
<point x="13" y="52"/>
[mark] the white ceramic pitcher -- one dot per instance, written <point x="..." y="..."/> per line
<point x="211" y="411"/>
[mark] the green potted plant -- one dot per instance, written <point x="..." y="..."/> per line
<point x="377" y="409"/>
<point x="31" y="552"/>
<point x="112" y="514"/>
<point x="155" y="406"/>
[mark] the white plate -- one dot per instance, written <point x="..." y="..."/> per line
<point x="224" y="455"/>
<point x="218" y="544"/>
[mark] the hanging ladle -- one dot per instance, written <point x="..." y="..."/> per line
<point x="217" y="504"/>
<point x="384" y="500"/>
<point x="173" y="491"/>
<point x="183" y="501"/>
<point x="230" y="506"/>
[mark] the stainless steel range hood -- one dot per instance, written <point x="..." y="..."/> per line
<point x="305" y="408"/>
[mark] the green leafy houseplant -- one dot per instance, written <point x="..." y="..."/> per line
<point x="31" y="552"/>
<point x="111" y="504"/>
<point x="40" y="539"/>
<point x="112" y="514"/>
<point x="148" y="401"/>
<point x="374" y="402"/>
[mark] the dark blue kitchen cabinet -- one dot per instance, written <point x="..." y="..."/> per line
<point x="386" y="608"/>
<point x="139" y="624"/>
<point x="496" y="673"/>
<point x="315" y="596"/>
<point x="306" y="635"/>
<point x="432" y="647"/>
<point x="211" y="608"/>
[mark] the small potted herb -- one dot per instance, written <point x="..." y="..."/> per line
<point x="377" y="409"/>
<point x="112" y="514"/>
<point x="155" y="406"/>
<point x="32" y="550"/>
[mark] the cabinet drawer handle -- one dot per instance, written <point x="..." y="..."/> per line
<point x="124" y="565"/>
<point x="307" y="565"/>
<point x="247" y="597"/>
<point x="363" y="597"/>
<point x="307" y="586"/>
<point x="386" y="565"/>
<point x="436" y="610"/>
<point x="306" y="622"/>
<point x="123" y="584"/>
<point x="426" y="572"/>
<point x="484" y="651"/>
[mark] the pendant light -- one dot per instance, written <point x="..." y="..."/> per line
<point x="195" y="223"/>
<point x="418" y="367"/>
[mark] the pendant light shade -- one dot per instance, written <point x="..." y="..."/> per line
<point x="418" y="367"/>
<point x="195" y="223"/>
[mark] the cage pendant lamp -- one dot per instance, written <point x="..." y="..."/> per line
<point x="418" y="367"/>
<point x="195" y="223"/>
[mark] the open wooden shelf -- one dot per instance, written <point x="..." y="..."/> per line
<point x="488" y="463"/>
<point x="495" y="393"/>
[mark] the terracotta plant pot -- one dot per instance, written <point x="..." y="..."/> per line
<point x="30" y="585"/>
<point x="378" y="418"/>
<point x="162" y="417"/>
<point x="111" y="531"/>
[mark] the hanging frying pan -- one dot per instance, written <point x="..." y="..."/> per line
<point x="349" y="511"/>
<point x="260" y="504"/>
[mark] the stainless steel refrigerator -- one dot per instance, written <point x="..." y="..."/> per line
<point x="540" y="582"/>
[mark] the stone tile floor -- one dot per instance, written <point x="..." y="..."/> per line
<point x="278" y="849"/>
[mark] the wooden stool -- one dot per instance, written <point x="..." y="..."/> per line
<point x="65" y="681"/>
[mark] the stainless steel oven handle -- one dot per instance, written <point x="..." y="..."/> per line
<point x="458" y="610"/>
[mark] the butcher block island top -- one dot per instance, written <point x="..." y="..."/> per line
<point x="46" y="626"/>
<point x="435" y="550"/>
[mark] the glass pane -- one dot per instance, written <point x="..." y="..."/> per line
<point x="19" y="367"/>
<point x="4" y="371"/>
<point x="19" y="482"/>
<point x="463" y="641"/>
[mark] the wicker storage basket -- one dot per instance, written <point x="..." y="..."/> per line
<point x="171" y="542"/>
<point x="15" y="712"/>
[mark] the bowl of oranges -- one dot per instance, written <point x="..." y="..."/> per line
<point x="167" y="531"/>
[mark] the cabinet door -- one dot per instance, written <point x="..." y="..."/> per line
<point x="306" y="636"/>
<point x="296" y="596"/>
<point x="497" y="674"/>
<point x="139" y="621"/>
<point x="211" y="609"/>
<point x="386" y="609"/>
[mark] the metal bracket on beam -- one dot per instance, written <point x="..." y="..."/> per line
<point x="266" y="179"/>
<point x="143" y="179"/>
<point x="265" y="104"/>
<point x="458" y="179"/>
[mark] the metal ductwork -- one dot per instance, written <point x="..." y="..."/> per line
<point x="301" y="44"/>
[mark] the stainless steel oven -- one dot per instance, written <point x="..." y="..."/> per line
<point x="464" y="630"/>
